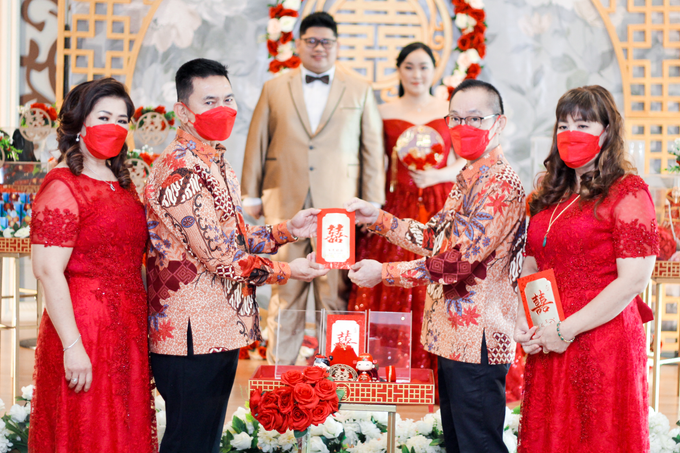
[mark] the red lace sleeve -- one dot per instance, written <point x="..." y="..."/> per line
<point x="635" y="231"/>
<point x="55" y="216"/>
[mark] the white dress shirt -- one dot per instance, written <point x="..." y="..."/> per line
<point x="316" y="95"/>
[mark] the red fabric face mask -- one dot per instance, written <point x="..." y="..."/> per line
<point x="470" y="142"/>
<point x="577" y="148"/>
<point x="215" y="124"/>
<point x="105" y="141"/>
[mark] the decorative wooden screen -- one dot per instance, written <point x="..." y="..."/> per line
<point x="372" y="34"/>
<point x="77" y="25"/>
<point x="648" y="52"/>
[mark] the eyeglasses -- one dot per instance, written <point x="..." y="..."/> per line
<point x="313" y="42"/>
<point x="474" y="121"/>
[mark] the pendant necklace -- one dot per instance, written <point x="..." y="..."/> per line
<point x="110" y="183"/>
<point x="550" y="224"/>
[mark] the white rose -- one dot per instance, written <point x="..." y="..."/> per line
<point x="287" y="23"/>
<point x="419" y="443"/>
<point x="2" y="407"/>
<point x="285" y="51"/>
<point x="331" y="428"/>
<point x="369" y="429"/>
<point x="287" y="440"/>
<point x="380" y="417"/>
<point x="473" y="56"/>
<point x="7" y="233"/>
<point x="476" y="4"/>
<point x="267" y="441"/>
<point x="316" y="445"/>
<point x="424" y="427"/>
<point x="292" y="4"/>
<point x="274" y="29"/>
<point x="19" y="413"/>
<point x="510" y="441"/>
<point x="241" y="441"/>
<point x="465" y="22"/>
<point x="23" y="233"/>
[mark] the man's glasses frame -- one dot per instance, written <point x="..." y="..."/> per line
<point x="313" y="42"/>
<point x="474" y="121"/>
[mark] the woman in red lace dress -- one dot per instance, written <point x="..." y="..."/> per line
<point x="594" y="224"/>
<point x="93" y="386"/>
<point x="416" y="194"/>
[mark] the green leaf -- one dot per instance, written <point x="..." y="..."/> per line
<point x="404" y="449"/>
<point x="239" y="425"/>
<point x="340" y="393"/>
<point x="578" y="79"/>
<point x="437" y="441"/>
<point x="381" y="427"/>
<point x="519" y="408"/>
<point x="300" y="434"/>
<point x="563" y="63"/>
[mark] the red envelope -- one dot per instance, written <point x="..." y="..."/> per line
<point x="335" y="238"/>
<point x="541" y="298"/>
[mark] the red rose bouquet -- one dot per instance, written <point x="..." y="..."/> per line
<point x="307" y="398"/>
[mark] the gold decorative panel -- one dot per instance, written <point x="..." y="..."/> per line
<point x="372" y="34"/>
<point x="648" y="52"/>
<point x="80" y="20"/>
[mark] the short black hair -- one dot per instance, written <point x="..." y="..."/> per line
<point x="497" y="100"/>
<point x="318" y="19"/>
<point x="199" y="68"/>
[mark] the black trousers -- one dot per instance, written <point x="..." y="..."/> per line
<point x="196" y="391"/>
<point x="472" y="402"/>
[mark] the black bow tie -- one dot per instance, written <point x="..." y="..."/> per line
<point x="323" y="79"/>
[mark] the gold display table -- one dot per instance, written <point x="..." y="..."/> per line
<point x="365" y="396"/>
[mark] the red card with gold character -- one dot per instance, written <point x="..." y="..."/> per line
<point x="335" y="238"/>
<point x="541" y="299"/>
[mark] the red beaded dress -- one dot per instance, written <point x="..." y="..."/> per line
<point x="593" y="397"/>
<point x="406" y="201"/>
<point x="107" y="230"/>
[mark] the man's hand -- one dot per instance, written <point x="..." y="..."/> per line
<point x="366" y="273"/>
<point x="305" y="270"/>
<point x="364" y="211"/>
<point x="303" y="225"/>
<point x="254" y="211"/>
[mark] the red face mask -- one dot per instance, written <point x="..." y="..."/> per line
<point x="215" y="124"/>
<point x="105" y="141"/>
<point x="577" y="148"/>
<point x="470" y="142"/>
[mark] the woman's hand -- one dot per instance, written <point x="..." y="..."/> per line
<point x="77" y="367"/>
<point x="523" y="335"/>
<point x="366" y="273"/>
<point x="546" y="337"/>
<point x="426" y="178"/>
<point x="303" y="225"/>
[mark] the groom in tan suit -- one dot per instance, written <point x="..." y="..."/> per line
<point x="315" y="140"/>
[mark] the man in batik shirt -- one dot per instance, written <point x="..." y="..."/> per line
<point x="202" y="263"/>
<point x="473" y="252"/>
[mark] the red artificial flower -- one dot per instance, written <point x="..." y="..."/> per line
<point x="325" y="389"/>
<point x="305" y="396"/>
<point x="473" y="71"/>
<point x="292" y="377"/>
<point x="275" y="66"/>
<point x="171" y="121"/>
<point x="271" y="420"/>
<point x="148" y="160"/>
<point x="314" y="374"/>
<point x="286" y="401"/>
<point x="274" y="11"/>
<point x="270" y="400"/>
<point x="272" y="47"/>
<point x="243" y="354"/>
<point x="471" y="40"/>
<point x="299" y="419"/>
<point x="255" y="399"/>
<point x="437" y="148"/>
<point x="286" y="37"/>
<point x="321" y="412"/>
<point x="288" y="12"/>
<point x="137" y="114"/>
<point x="160" y="109"/>
<point x="262" y="351"/>
<point x="477" y="14"/>
<point x="293" y="62"/>
<point x="481" y="50"/>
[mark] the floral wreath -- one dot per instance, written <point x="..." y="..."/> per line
<point x="141" y="111"/>
<point x="282" y="17"/>
<point x="469" y="17"/>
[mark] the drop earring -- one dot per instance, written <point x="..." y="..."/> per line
<point x="78" y="137"/>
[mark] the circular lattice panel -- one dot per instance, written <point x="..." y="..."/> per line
<point x="139" y="172"/>
<point x="342" y="372"/>
<point x="36" y="125"/>
<point x="152" y="129"/>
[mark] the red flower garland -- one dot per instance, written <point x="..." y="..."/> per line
<point x="277" y="38"/>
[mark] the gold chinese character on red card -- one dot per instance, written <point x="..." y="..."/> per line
<point x="540" y="298"/>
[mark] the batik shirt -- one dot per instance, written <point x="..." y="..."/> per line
<point x="201" y="265"/>
<point x="473" y="252"/>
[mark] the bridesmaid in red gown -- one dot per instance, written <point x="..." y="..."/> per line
<point x="93" y="385"/>
<point x="409" y="194"/>
<point x="594" y="224"/>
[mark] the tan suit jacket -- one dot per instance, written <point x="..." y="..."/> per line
<point x="285" y="159"/>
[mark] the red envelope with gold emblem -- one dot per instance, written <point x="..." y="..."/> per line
<point x="335" y="238"/>
<point x="541" y="298"/>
